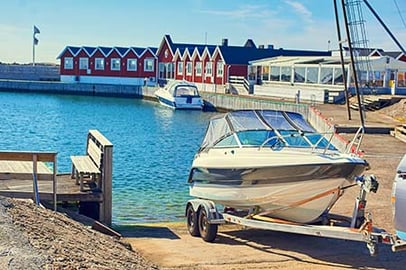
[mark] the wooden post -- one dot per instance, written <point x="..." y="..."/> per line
<point x="106" y="213"/>
<point x="54" y="183"/>
<point x="105" y="209"/>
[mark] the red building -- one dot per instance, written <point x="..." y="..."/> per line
<point x="116" y="65"/>
<point x="209" y="66"/>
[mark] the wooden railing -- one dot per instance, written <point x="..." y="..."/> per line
<point x="36" y="158"/>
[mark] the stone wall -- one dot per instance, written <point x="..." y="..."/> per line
<point x="29" y="73"/>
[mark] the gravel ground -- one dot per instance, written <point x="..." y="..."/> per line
<point x="36" y="238"/>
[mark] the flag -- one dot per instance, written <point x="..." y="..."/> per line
<point x="36" y="30"/>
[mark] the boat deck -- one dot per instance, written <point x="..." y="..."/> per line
<point x="20" y="185"/>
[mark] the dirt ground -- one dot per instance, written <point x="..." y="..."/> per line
<point x="171" y="246"/>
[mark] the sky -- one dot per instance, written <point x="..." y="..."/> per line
<point x="289" y="24"/>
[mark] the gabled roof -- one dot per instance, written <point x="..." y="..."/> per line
<point x="72" y="49"/>
<point x="105" y="50"/>
<point x="122" y="50"/>
<point x="395" y="55"/>
<point x="89" y="50"/>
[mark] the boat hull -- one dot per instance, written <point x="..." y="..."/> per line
<point x="275" y="186"/>
<point x="180" y="103"/>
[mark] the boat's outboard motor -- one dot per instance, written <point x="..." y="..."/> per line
<point x="399" y="199"/>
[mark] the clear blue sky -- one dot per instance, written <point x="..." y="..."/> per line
<point x="290" y="24"/>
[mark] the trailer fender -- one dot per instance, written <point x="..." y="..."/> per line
<point x="214" y="216"/>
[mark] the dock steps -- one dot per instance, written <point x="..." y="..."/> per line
<point x="372" y="103"/>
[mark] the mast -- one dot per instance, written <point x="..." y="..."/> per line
<point x="347" y="100"/>
<point x="353" y="66"/>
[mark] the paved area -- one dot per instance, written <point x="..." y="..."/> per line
<point x="171" y="246"/>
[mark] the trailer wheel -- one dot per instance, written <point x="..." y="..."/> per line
<point x="207" y="231"/>
<point x="191" y="220"/>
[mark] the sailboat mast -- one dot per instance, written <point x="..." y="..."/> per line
<point x="353" y="67"/>
<point x="347" y="99"/>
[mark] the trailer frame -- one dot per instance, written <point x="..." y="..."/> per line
<point x="203" y="218"/>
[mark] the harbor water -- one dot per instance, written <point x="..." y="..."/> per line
<point x="153" y="145"/>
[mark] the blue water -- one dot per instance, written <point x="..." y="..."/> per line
<point x="153" y="145"/>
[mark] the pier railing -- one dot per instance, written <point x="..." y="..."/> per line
<point x="17" y="165"/>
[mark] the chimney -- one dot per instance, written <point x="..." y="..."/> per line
<point x="224" y="42"/>
<point x="270" y="46"/>
<point x="261" y="47"/>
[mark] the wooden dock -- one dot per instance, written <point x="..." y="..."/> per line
<point x="34" y="175"/>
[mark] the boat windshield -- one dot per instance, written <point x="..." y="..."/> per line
<point x="186" y="90"/>
<point x="182" y="88"/>
<point x="262" y="128"/>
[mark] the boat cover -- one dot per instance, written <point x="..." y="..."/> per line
<point x="244" y="120"/>
<point x="182" y="88"/>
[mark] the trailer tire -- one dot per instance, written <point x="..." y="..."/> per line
<point x="191" y="221"/>
<point x="207" y="231"/>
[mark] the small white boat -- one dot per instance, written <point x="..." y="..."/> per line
<point x="273" y="163"/>
<point x="180" y="95"/>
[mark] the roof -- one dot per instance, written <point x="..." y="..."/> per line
<point x="106" y="51"/>
<point x="243" y="55"/>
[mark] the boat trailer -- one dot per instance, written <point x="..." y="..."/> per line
<point x="203" y="218"/>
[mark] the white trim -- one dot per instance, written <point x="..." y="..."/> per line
<point x="100" y="61"/>
<point x="179" y="68"/>
<point x="68" y="63"/>
<point x="83" y="63"/>
<point x="220" y="67"/>
<point x="107" y="80"/>
<point x="113" y="61"/>
<point x="146" y="60"/>
<point x="189" y="68"/>
<point x="197" y="67"/>
<point x="132" y="64"/>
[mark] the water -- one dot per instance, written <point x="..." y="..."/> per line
<point x="152" y="154"/>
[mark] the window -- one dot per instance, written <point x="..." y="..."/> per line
<point x="199" y="68"/>
<point x="180" y="68"/>
<point x="326" y="75"/>
<point x="189" y="68"/>
<point x="68" y="64"/>
<point x="132" y="64"/>
<point x="299" y="74"/>
<point x="115" y="64"/>
<point x="312" y="75"/>
<point x="275" y="73"/>
<point x="99" y="64"/>
<point x="286" y="74"/>
<point x="338" y="76"/>
<point x="265" y="73"/>
<point x="220" y="69"/>
<point x="149" y="64"/>
<point x="83" y="63"/>
<point x="209" y="67"/>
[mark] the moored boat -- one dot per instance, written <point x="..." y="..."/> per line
<point x="180" y="95"/>
<point x="273" y="163"/>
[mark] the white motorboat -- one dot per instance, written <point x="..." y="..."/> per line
<point x="272" y="163"/>
<point x="180" y="95"/>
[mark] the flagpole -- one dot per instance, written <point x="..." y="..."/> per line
<point x="34" y="43"/>
<point x="33" y="49"/>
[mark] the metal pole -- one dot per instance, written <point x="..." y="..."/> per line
<point x="384" y="26"/>
<point x="33" y="49"/>
<point x="347" y="100"/>
<point x="354" y="70"/>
